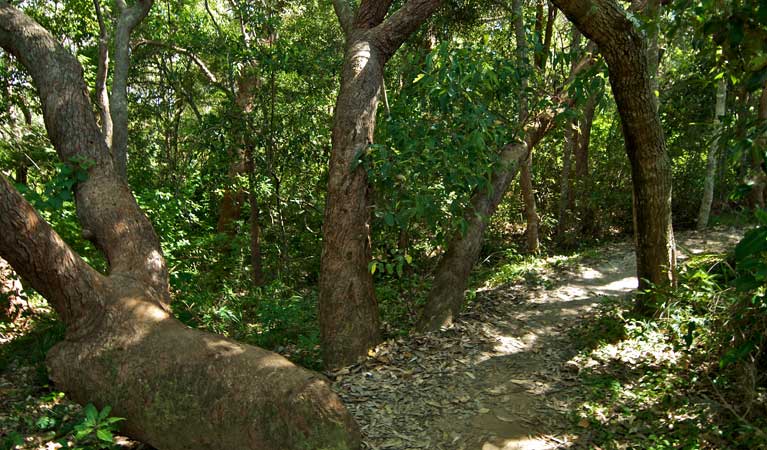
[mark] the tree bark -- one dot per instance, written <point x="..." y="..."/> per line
<point x="625" y="50"/>
<point x="102" y="94"/>
<point x="526" y="180"/>
<point x="528" y="198"/>
<point x="348" y="310"/>
<point x="713" y="156"/>
<point x="11" y="301"/>
<point x="128" y="19"/>
<point x="178" y="388"/>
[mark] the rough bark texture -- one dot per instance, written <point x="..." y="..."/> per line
<point x="452" y="276"/>
<point x="12" y="303"/>
<point x="528" y="198"/>
<point x="625" y="50"/>
<point x="348" y="311"/>
<point x="713" y="156"/>
<point x="178" y="388"/>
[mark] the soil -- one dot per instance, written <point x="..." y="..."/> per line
<point x="502" y="377"/>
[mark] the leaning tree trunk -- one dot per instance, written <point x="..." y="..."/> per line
<point x="452" y="277"/>
<point x="713" y="156"/>
<point x="348" y="311"/>
<point x="445" y="299"/>
<point x="178" y="388"/>
<point x="625" y="49"/>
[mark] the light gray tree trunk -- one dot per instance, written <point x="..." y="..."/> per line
<point x="713" y="156"/>
<point x="128" y="19"/>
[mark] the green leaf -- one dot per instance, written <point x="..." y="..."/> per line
<point x="104" y="435"/>
<point x="91" y="413"/>
<point x="105" y="412"/>
<point x="754" y="241"/>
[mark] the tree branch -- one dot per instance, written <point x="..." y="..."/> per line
<point x="345" y="15"/>
<point x="102" y="96"/>
<point x="393" y="32"/>
<point x="371" y="13"/>
<point x="189" y="54"/>
<point x="105" y="206"/>
<point x="128" y="20"/>
<point x="36" y="252"/>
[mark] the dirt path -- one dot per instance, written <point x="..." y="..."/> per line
<point x="498" y="379"/>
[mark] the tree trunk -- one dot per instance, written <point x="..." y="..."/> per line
<point x="452" y="277"/>
<point x="571" y="141"/>
<point x="713" y="156"/>
<point x="256" y="268"/>
<point x="128" y="19"/>
<point x="230" y="209"/>
<point x="625" y="50"/>
<point x="178" y="388"/>
<point x="528" y="197"/>
<point x="585" y="208"/>
<point x="11" y="302"/>
<point x="348" y="311"/>
<point x="446" y="297"/>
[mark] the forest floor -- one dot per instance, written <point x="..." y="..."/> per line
<point x="506" y="375"/>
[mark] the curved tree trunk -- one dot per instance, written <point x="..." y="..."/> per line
<point x="178" y="388"/>
<point x="713" y="156"/>
<point x="348" y="311"/>
<point x="625" y="50"/>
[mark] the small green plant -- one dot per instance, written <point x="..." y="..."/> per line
<point x="96" y="430"/>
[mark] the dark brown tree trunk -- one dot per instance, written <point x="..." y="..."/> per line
<point x="178" y="388"/>
<point x="348" y="311"/>
<point x="625" y="50"/>
<point x="12" y="303"/>
<point x="233" y="199"/>
<point x="452" y="276"/>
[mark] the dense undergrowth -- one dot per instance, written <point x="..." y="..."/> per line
<point x="694" y="376"/>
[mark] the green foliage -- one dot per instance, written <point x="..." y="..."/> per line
<point x="96" y="430"/>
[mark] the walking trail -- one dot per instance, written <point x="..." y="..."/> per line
<point x="502" y="376"/>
